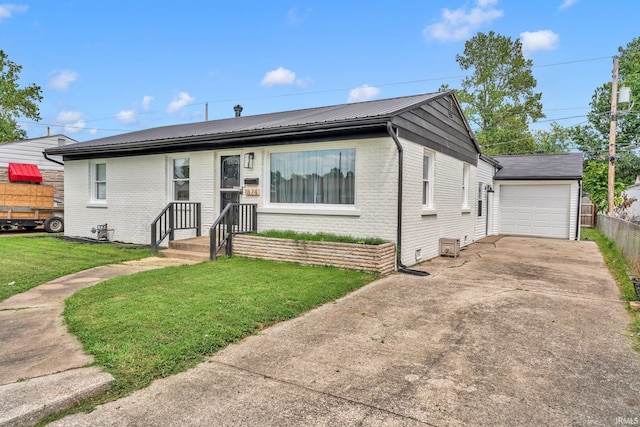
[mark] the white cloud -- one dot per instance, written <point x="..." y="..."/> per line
<point x="62" y="79"/>
<point x="72" y="121"/>
<point x="363" y="93"/>
<point x="146" y="101"/>
<point x="182" y="100"/>
<point x="460" y="23"/>
<point x="75" y="127"/>
<point x="294" y="17"/>
<point x="7" y="10"/>
<point x="127" y="117"/>
<point x="93" y="131"/>
<point x="539" y="40"/>
<point x="68" y="116"/>
<point x="568" y="3"/>
<point x="279" y="76"/>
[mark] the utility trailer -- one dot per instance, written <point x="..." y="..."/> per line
<point x="29" y="206"/>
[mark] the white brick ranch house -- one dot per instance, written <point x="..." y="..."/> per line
<point x="407" y="170"/>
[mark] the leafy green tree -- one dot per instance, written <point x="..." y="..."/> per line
<point x="556" y="140"/>
<point x="498" y="97"/>
<point x="593" y="139"/>
<point x="588" y="140"/>
<point x="15" y="102"/>
<point x="595" y="179"/>
<point x="628" y="125"/>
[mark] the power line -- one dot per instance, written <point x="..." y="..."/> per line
<point x="407" y="82"/>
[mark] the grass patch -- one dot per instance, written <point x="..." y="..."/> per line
<point x="621" y="269"/>
<point x="157" y="323"/>
<point x="618" y="264"/>
<point x="29" y="261"/>
<point x="319" y="237"/>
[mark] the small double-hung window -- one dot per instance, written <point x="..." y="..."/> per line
<point x="180" y="179"/>
<point x="465" y="186"/>
<point x="427" y="180"/>
<point x="99" y="182"/>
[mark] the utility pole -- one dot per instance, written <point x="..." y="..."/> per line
<point x="206" y="111"/>
<point x="612" y="135"/>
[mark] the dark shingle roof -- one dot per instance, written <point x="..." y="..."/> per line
<point x="540" y="167"/>
<point x="263" y="124"/>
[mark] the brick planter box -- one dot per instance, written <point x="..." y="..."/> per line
<point x="374" y="258"/>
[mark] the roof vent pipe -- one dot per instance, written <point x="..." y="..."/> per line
<point x="238" y="110"/>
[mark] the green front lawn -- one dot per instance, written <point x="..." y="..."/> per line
<point x="28" y="261"/>
<point x="157" y="323"/>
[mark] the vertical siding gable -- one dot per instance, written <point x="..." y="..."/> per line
<point x="439" y="126"/>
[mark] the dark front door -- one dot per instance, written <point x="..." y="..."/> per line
<point x="230" y="188"/>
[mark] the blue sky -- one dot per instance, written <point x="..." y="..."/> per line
<point x="118" y="66"/>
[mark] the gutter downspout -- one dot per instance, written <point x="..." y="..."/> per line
<point x="399" y="265"/>
<point x="579" y="219"/>
<point x="52" y="160"/>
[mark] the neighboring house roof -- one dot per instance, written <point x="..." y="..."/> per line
<point x="30" y="151"/>
<point x="540" y="167"/>
<point x="490" y="160"/>
<point x="364" y="118"/>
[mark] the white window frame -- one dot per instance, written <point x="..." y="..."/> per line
<point x="96" y="194"/>
<point x="308" y="208"/>
<point x="427" y="187"/>
<point x="173" y="181"/>
<point x="480" y="199"/>
<point x="466" y="170"/>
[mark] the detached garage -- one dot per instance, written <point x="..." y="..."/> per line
<point x="539" y="195"/>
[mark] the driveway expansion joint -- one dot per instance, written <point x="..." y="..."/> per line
<point x="323" y="393"/>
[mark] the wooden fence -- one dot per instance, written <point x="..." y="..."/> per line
<point x="588" y="215"/>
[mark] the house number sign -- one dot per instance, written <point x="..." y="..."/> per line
<point x="252" y="191"/>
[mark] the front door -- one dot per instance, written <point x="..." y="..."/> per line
<point x="230" y="188"/>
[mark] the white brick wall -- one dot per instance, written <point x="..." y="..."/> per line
<point x="422" y="230"/>
<point x="374" y="214"/>
<point x="138" y="188"/>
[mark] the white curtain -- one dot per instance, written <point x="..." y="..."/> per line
<point x="316" y="177"/>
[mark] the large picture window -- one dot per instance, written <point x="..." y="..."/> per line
<point x="314" y="177"/>
<point x="180" y="179"/>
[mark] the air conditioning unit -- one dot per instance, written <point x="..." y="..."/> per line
<point x="449" y="247"/>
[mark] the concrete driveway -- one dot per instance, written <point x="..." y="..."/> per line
<point x="521" y="332"/>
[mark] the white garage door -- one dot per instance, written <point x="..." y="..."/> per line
<point x="535" y="210"/>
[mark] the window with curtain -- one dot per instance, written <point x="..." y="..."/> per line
<point x="180" y="179"/>
<point x="314" y="177"/>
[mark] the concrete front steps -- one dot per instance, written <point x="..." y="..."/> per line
<point x="194" y="249"/>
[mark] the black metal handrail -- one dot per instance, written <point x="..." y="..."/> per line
<point x="175" y="216"/>
<point x="235" y="218"/>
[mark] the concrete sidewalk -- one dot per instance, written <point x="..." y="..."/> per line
<point x="42" y="366"/>
<point x="518" y="332"/>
